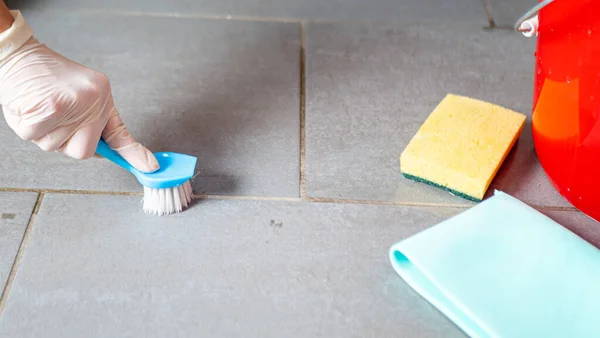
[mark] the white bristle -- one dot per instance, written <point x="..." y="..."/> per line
<point x="167" y="201"/>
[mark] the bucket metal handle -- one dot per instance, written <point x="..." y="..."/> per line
<point x="532" y="12"/>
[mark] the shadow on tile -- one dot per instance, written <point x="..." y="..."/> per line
<point x="578" y="223"/>
<point x="520" y="168"/>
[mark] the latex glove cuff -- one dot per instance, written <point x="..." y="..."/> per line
<point x="16" y="36"/>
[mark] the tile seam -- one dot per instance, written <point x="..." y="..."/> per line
<point x="270" y="198"/>
<point x="176" y="15"/>
<point x="20" y="252"/>
<point x="391" y="203"/>
<point x="247" y="198"/>
<point x="302" y="110"/>
<point x="72" y="191"/>
<point x="421" y="204"/>
<point x="247" y="18"/>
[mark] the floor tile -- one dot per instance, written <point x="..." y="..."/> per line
<point x="96" y="266"/>
<point x="507" y="12"/>
<point x="15" y="211"/>
<point x="370" y="87"/>
<point x="394" y="10"/>
<point x="225" y="91"/>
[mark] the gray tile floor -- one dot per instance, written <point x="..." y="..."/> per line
<point x="298" y="112"/>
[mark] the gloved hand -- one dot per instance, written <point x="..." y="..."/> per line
<point x="63" y="106"/>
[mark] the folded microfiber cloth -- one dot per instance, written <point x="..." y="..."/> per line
<point x="503" y="269"/>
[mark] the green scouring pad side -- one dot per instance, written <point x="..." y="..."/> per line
<point x="452" y="191"/>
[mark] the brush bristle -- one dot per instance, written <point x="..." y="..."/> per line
<point x="167" y="201"/>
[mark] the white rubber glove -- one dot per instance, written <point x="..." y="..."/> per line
<point x="58" y="104"/>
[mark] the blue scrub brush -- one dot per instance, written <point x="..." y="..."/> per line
<point x="167" y="190"/>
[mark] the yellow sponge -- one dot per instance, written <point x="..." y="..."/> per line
<point x="461" y="146"/>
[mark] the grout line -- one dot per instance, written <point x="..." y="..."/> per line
<point x="247" y="198"/>
<point x="271" y="198"/>
<point x="421" y="204"/>
<point x="196" y="16"/>
<point x="551" y="208"/>
<point x="396" y="203"/>
<point x="73" y="192"/>
<point x="177" y="15"/>
<point x="487" y="6"/>
<point x="248" y="18"/>
<point x="141" y="194"/>
<point x="302" y="110"/>
<point x="20" y="252"/>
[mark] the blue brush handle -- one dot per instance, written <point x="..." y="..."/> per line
<point x="105" y="151"/>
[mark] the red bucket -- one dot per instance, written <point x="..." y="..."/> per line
<point x="566" y="100"/>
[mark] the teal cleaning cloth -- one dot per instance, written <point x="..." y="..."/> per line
<point x="503" y="269"/>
